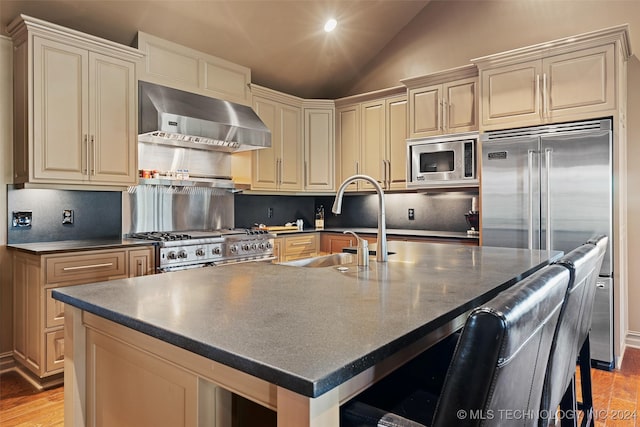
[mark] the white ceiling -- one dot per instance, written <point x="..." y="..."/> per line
<point x="281" y="41"/>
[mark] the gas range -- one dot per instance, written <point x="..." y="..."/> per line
<point x="181" y="250"/>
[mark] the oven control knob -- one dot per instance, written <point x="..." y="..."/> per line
<point x="233" y="249"/>
<point x="262" y="246"/>
<point x="254" y="246"/>
<point x="218" y="251"/>
<point x="245" y="247"/>
<point x="182" y="254"/>
<point x="199" y="252"/>
<point x="172" y="255"/>
<point x="269" y="245"/>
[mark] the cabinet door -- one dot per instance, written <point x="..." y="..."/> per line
<point x="113" y="132"/>
<point x="348" y="131"/>
<point x="265" y="160"/>
<point x="141" y="262"/>
<point x="333" y="243"/>
<point x="460" y="107"/>
<point x="426" y="114"/>
<point x="291" y="144"/>
<point x="579" y="82"/>
<point x="373" y="142"/>
<point x="319" y="149"/>
<point x="54" y="353"/>
<point x="60" y="121"/>
<point x="397" y="142"/>
<point x="278" y="244"/>
<point x="511" y="94"/>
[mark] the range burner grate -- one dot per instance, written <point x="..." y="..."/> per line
<point x="160" y="236"/>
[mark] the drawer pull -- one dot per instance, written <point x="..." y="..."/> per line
<point x="85" y="267"/>
<point x="301" y="243"/>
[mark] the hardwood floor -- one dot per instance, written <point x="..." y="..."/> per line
<point x="616" y="395"/>
<point x="23" y="405"/>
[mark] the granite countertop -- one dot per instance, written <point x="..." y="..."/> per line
<point x="44" y="248"/>
<point x="309" y="329"/>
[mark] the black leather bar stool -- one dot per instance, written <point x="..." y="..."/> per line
<point x="497" y="371"/>
<point x="572" y="338"/>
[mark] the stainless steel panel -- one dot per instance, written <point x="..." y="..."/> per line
<point x="601" y="336"/>
<point x="159" y="208"/>
<point x="510" y="195"/>
<point x="576" y="168"/>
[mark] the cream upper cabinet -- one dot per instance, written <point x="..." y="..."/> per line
<point x="396" y="149"/>
<point x="178" y="66"/>
<point x="280" y="166"/>
<point x="319" y="146"/>
<point x="443" y="103"/>
<point x="348" y="143"/>
<point x="75" y="108"/>
<point x="563" y="80"/>
<point x="372" y="140"/>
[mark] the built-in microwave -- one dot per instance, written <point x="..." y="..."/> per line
<point x="442" y="161"/>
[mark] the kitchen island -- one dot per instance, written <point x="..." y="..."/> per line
<point x="166" y="349"/>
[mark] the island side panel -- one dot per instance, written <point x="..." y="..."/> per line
<point x="74" y="368"/>
<point x="295" y="410"/>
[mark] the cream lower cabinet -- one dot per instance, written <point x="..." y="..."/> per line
<point x="443" y="103"/>
<point x="557" y="81"/>
<point x="331" y="243"/>
<point x="372" y="141"/>
<point x="75" y="103"/>
<point x="297" y="246"/>
<point x="280" y="166"/>
<point x="39" y="319"/>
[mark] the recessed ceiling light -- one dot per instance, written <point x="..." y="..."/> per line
<point x="330" y="25"/>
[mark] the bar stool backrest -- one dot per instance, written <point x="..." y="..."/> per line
<point x="501" y="358"/>
<point x="584" y="265"/>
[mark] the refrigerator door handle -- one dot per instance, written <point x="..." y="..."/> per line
<point x="530" y="154"/>
<point x="547" y="162"/>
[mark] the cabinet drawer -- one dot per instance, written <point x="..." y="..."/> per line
<point x="55" y="350"/>
<point x="86" y="268"/>
<point x="54" y="311"/>
<point x="300" y="245"/>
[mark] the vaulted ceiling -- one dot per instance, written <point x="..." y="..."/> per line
<point x="283" y="42"/>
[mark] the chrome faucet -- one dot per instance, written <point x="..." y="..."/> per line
<point x="381" y="250"/>
<point x="362" y="249"/>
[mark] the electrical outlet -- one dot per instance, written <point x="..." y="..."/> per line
<point x="412" y="214"/>
<point x="22" y="218"/>
<point x="270" y="212"/>
<point x="67" y="216"/>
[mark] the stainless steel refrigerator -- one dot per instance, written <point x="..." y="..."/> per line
<point x="550" y="187"/>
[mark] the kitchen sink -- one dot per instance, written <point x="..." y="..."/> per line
<point x="323" y="261"/>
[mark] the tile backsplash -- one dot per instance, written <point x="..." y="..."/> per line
<point x="96" y="215"/>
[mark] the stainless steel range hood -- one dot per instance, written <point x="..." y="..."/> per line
<point x="174" y="117"/>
